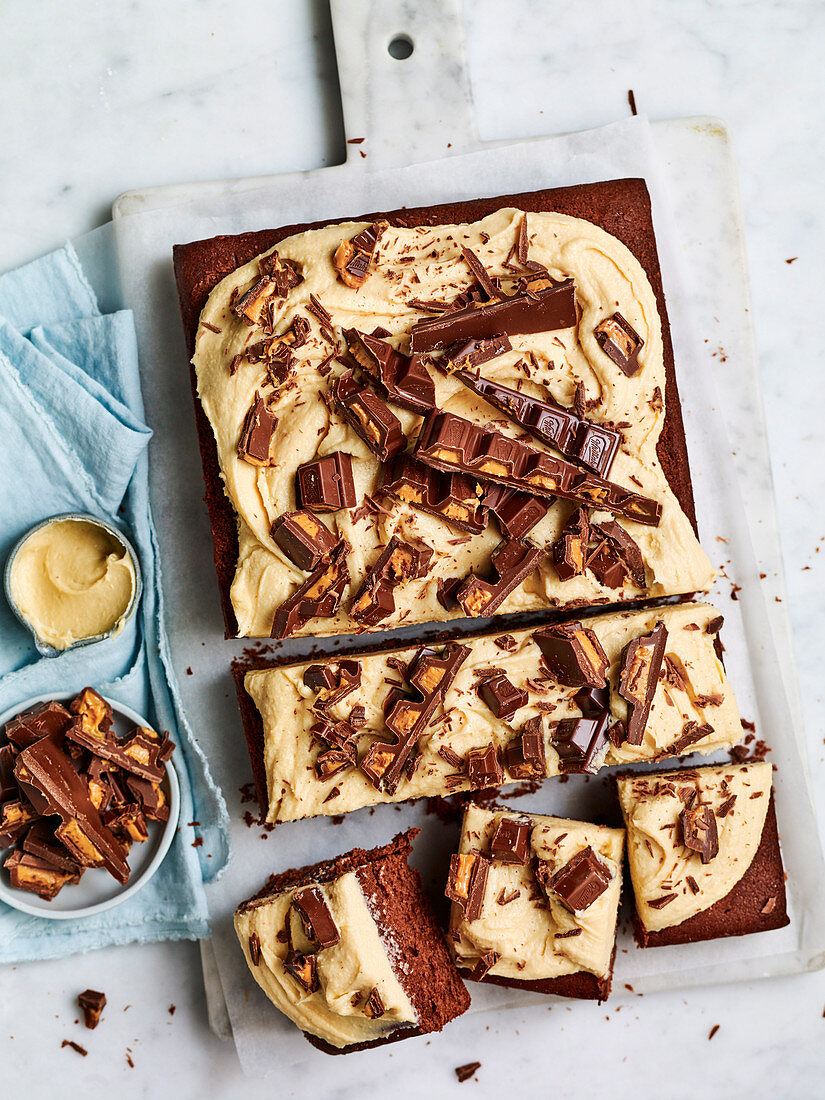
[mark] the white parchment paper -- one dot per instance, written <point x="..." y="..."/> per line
<point x="265" y="1040"/>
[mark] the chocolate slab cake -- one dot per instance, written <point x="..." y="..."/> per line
<point x="535" y="901"/>
<point x="704" y="853"/>
<point x="428" y="414"/>
<point x="485" y="710"/>
<point x="349" y="950"/>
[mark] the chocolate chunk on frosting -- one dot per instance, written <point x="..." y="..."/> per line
<point x="326" y="484"/>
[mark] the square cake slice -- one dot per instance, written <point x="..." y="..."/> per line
<point x="392" y="724"/>
<point x="535" y="901"/>
<point x="349" y="950"/>
<point x="703" y="849"/>
<point x="434" y="413"/>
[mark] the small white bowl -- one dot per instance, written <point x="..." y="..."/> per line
<point x="42" y="646"/>
<point x="97" y="891"/>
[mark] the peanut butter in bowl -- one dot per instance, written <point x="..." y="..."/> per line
<point x="71" y="580"/>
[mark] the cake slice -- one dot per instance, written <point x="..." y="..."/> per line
<point x="535" y="901"/>
<point x="349" y="950"/>
<point x="703" y="849"/>
<point x="330" y="736"/>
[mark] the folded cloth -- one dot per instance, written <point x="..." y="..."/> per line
<point x="73" y="439"/>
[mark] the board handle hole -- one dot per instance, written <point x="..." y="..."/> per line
<point x="401" y="47"/>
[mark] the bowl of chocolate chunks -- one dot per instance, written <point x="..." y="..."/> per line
<point x="89" y="804"/>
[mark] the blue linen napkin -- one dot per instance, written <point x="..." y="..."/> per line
<point x="73" y="439"/>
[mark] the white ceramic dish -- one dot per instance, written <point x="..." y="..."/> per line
<point x="97" y="891"/>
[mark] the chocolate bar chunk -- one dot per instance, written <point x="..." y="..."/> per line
<point x="93" y="711"/>
<point x="398" y="563"/>
<point x="334" y="682"/>
<point x="404" y="379"/>
<point x="448" y="442"/>
<point x="304" y="969"/>
<point x="256" y="433"/>
<point x="472" y="353"/>
<point x="579" y="740"/>
<point x="252" y="306"/>
<point x="150" y="798"/>
<point x="570" y="549"/>
<point x="452" y="497"/>
<point x="8" y="786"/>
<point x="535" y="309"/>
<point x="36" y="876"/>
<point x="319" y="596"/>
<point x="303" y="538"/>
<point x="92" y="1002"/>
<point x="82" y="830"/>
<point x="616" y="556"/>
<point x="501" y="696"/>
<point x="699" y="831"/>
<point x="284" y="273"/>
<point x="511" y="841"/>
<point x="620" y="343"/>
<point x="48" y="719"/>
<point x="467" y="882"/>
<point x="641" y="665"/>
<point x="525" y="754"/>
<point x="138" y="754"/>
<point x="372" y="420"/>
<point x="593" y="445"/>
<point x="352" y="258"/>
<point x="579" y="883"/>
<point x="484" y="768"/>
<point x="374" y="1008"/>
<point x="512" y="562"/>
<point x="517" y="513"/>
<point x="40" y="841"/>
<point x="15" y="815"/>
<point x="316" y="917"/>
<point x="592" y="701"/>
<point x="573" y="654"/>
<point x="326" y="484"/>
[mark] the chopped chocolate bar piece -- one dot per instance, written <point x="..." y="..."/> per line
<point x="352" y="258"/>
<point x="570" y="550"/>
<point x="501" y="696"/>
<point x="373" y="421"/>
<point x="150" y="798"/>
<point x="579" y="740"/>
<point x="404" y="379"/>
<point x="641" y="665"/>
<point x="511" y="841"/>
<point x="94" y="712"/>
<point x="303" y="538"/>
<point x="283" y="272"/>
<point x="616" y="556"/>
<point x="36" y="876"/>
<point x="374" y="1008"/>
<point x="432" y="673"/>
<point x="252" y="305"/>
<point x="467" y="882"/>
<point x="8" y="786"/>
<point x="15" y="815"/>
<point x="138" y="754"/>
<point x="699" y="831"/>
<point x="453" y="497"/>
<point x="579" y="883"/>
<point x="256" y="433"/>
<point x="255" y="948"/>
<point x="334" y="682"/>
<point x="529" y="311"/>
<point x="40" y="841"/>
<point x="464" y="1073"/>
<point x="45" y="720"/>
<point x="484" y="768"/>
<point x="592" y="701"/>
<point x="304" y="969"/>
<point x="326" y="484"/>
<point x="620" y="343"/>
<point x="82" y="830"/>
<point x="472" y="353"/>
<point x="92" y="1004"/>
<point x="398" y="563"/>
<point x="525" y="754"/>
<point x="448" y="442"/>
<point x="319" y="596"/>
<point x="594" y="446"/>
<point x="512" y="562"/>
<point x="316" y="917"/>
<point x="573" y="654"/>
<point x="517" y="513"/>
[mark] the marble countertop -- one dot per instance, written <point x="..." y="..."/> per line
<point x="102" y="98"/>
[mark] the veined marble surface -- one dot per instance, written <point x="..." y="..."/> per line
<point x="98" y="98"/>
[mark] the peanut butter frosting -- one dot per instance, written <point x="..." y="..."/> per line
<point x="347" y="972"/>
<point x="425" y="263"/>
<point x="670" y="881"/>
<point x="535" y="935"/>
<point x="692" y="694"/>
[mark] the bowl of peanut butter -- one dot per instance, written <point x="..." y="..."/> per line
<point x="72" y="580"/>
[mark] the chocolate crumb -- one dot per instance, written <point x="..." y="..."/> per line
<point x="464" y="1073"/>
<point x="172" y="1010"/>
<point x="631" y="101"/>
<point x="713" y="1031"/>
<point x="75" y="1046"/>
